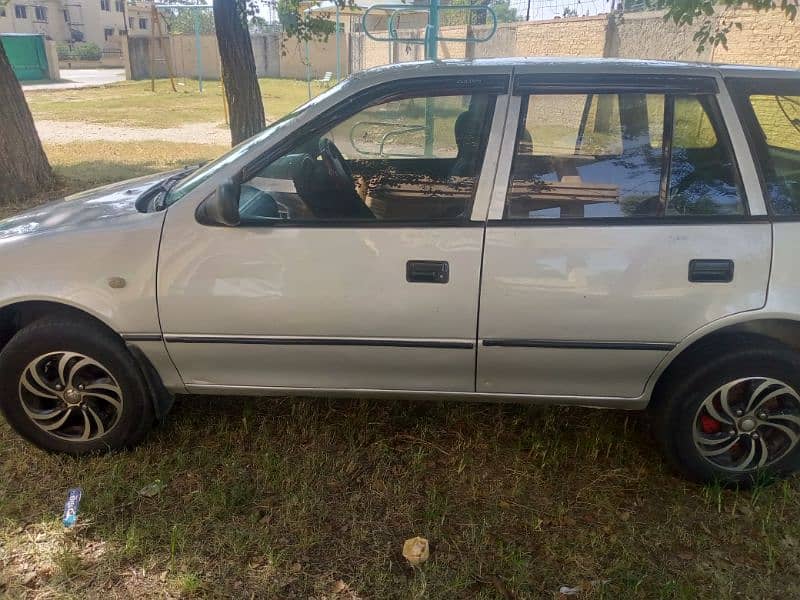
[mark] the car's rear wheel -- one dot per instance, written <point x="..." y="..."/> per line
<point x="71" y="386"/>
<point x="734" y="418"/>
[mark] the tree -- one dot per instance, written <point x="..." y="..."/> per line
<point x="182" y="20"/>
<point x="505" y="12"/>
<point x="242" y="92"/>
<point x="238" y="69"/>
<point x="714" y="27"/>
<point x="24" y="169"/>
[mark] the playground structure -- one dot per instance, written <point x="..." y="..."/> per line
<point x="157" y="34"/>
<point x="432" y="29"/>
<point x="430" y="41"/>
<point x="156" y="25"/>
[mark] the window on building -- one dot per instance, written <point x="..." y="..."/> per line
<point x="66" y="16"/>
<point x="119" y="5"/>
<point x="603" y="155"/>
<point x="105" y="5"/>
<point x="120" y="32"/>
<point x="142" y="23"/>
<point x="131" y="23"/>
<point x="40" y="13"/>
<point x="2" y="11"/>
<point x="20" y="11"/>
<point x="108" y="33"/>
<point x="412" y="159"/>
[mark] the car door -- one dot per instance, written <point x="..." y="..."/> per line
<point x="356" y="263"/>
<point x="621" y="227"/>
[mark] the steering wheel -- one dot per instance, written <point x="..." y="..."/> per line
<point x="336" y="165"/>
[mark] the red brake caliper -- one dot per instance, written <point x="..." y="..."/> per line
<point x="710" y="424"/>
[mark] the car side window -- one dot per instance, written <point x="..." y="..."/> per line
<point x="606" y="155"/>
<point x="413" y="158"/>
<point x="775" y="131"/>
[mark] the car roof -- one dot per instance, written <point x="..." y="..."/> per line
<point x="522" y="65"/>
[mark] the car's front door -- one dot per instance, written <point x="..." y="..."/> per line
<point x="624" y="228"/>
<point x="356" y="264"/>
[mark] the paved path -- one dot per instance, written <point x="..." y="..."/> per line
<point x="64" y="132"/>
<point x="79" y="78"/>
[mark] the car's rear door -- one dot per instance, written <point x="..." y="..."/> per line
<point x="624" y="227"/>
<point x="325" y="293"/>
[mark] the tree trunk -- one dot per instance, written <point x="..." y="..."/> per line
<point x="24" y="169"/>
<point x="481" y="15"/>
<point x="238" y="70"/>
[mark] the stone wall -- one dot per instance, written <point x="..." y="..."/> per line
<point x="580" y="36"/>
<point x="648" y="35"/>
<point x="765" y="39"/>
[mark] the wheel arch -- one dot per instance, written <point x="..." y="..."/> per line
<point x="16" y="315"/>
<point x="782" y="329"/>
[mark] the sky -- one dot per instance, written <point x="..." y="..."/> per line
<point x="548" y="9"/>
<point x="539" y="9"/>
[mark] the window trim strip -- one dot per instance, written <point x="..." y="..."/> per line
<point x="142" y="337"/>
<point x="317" y="341"/>
<point x="666" y="153"/>
<point x="576" y="344"/>
<point x="634" y="221"/>
<point x="559" y="83"/>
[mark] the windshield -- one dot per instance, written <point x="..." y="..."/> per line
<point x="205" y="173"/>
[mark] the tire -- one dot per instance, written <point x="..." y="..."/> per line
<point x="102" y="388"/>
<point x="707" y="443"/>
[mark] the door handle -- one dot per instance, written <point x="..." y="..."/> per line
<point x="427" y="271"/>
<point x="711" y="270"/>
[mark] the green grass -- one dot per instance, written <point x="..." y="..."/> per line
<point x="133" y="103"/>
<point x="283" y="498"/>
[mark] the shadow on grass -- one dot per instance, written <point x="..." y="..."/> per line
<point x="132" y="160"/>
<point x="283" y="498"/>
<point x="84" y="175"/>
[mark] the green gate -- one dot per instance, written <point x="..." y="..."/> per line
<point x="26" y="54"/>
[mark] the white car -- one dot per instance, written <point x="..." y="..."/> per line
<point x="619" y="234"/>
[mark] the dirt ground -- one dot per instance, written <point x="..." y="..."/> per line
<point x="64" y="132"/>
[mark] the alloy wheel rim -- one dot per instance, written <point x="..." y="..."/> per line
<point x="747" y="424"/>
<point x="70" y="396"/>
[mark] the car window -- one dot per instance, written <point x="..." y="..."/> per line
<point x="703" y="174"/>
<point x="413" y="158"/>
<point x="602" y="155"/>
<point x="211" y="169"/>
<point x="398" y="129"/>
<point x="777" y="135"/>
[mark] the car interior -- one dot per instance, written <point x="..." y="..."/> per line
<point x="778" y="117"/>
<point x="609" y="161"/>
<point x="390" y="169"/>
<point x="580" y="155"/>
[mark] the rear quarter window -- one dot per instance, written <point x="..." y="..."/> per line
<point x="770" y="110"/>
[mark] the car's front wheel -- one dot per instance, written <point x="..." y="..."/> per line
<point x="70" y="386"/>
<point x="734" y="418"/>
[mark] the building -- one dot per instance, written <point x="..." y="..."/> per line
<point x="103" y="22"/>
<point x="46" y="17"/>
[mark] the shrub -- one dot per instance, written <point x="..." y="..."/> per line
<point x="79" y="51"/>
